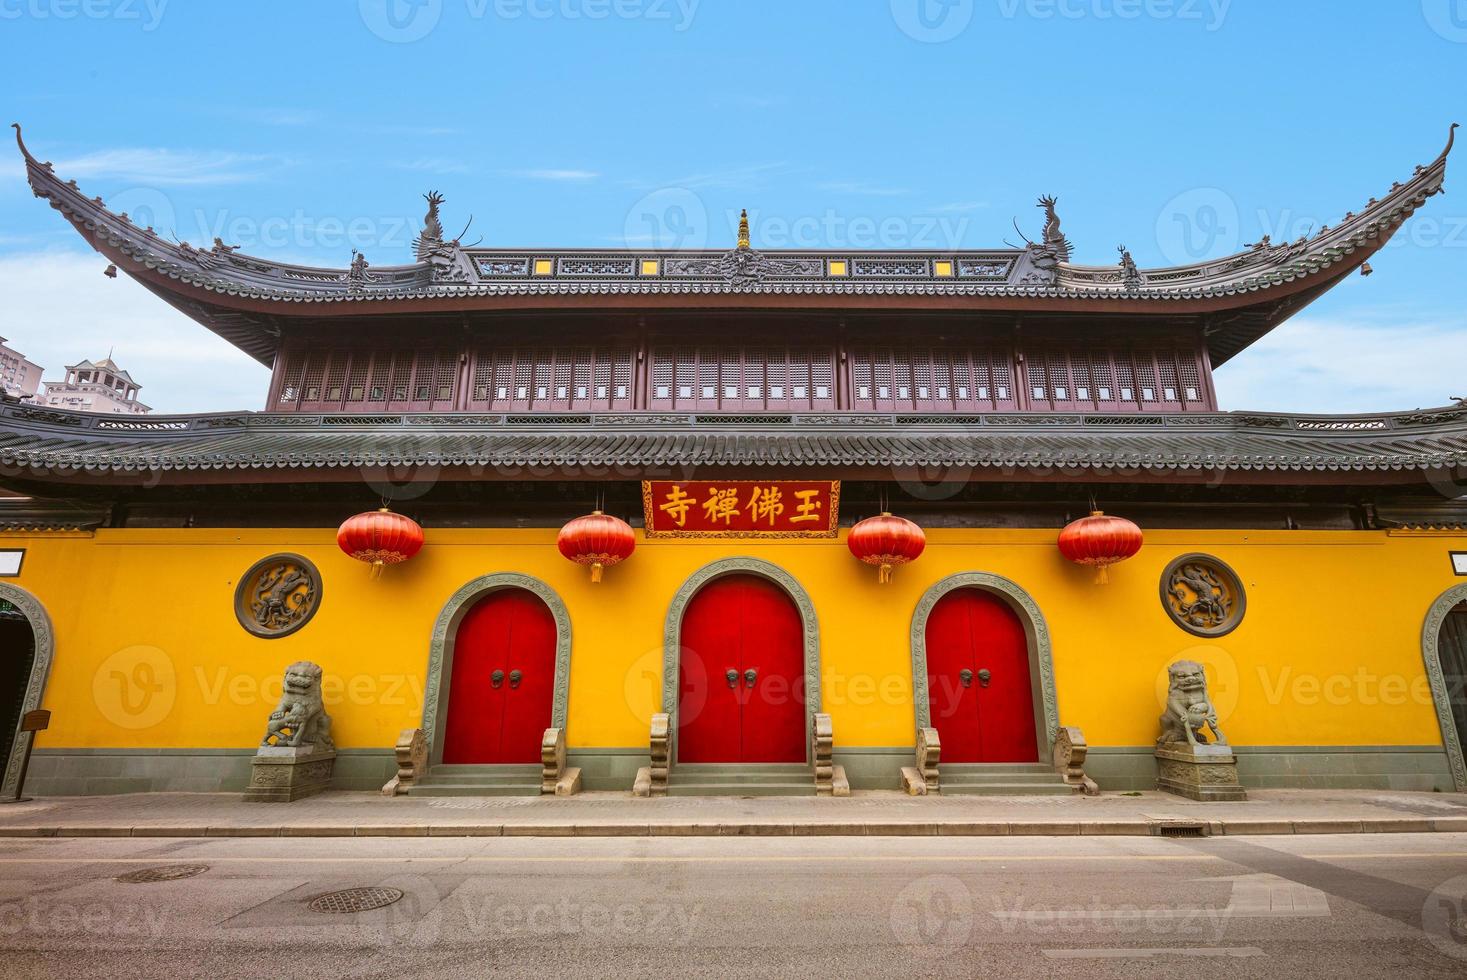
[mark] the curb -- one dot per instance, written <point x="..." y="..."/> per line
<point x="1112" y="828"/>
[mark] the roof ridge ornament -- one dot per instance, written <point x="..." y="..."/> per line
<point x="745" y="241"/>
<point x="1053" y="237"/>
<point x="446" y="260"/>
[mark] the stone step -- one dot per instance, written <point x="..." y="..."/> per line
<point x="996" y="788"/>
<point x="772" y="788"/>
<point x="456" y="771"/>
<point x="998" y="777"/>
<point x="474" y="789"/>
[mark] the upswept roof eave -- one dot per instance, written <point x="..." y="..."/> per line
<point x="486" y="276"/>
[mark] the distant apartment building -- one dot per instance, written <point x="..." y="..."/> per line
<point x="100" y="387"/>
<point x="19" y="376"/>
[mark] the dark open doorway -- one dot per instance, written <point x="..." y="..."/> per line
<point x="17" y="658"/>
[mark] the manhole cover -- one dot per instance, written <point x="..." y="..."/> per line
<point x="354" y="900"/>
<point x="170" y="872"/>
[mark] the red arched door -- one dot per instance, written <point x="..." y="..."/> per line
<point x="741" y="689"/>
<point x="503" y="685"/>
<point x="978" y="682"/>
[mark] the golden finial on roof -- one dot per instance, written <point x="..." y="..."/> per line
<point x="744" y="229"/>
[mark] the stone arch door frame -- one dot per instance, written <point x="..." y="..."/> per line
<point x="1431" y="632"/>
<point x="672" y="635"/>
<point x="1036" y="632"/>
<point x="45" y="643"/>
<point x="445" y="634"/>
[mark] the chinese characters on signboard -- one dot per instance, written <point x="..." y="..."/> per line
<point x="741" y="508"/>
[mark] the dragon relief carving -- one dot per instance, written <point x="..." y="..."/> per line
<point x="277" y="596"/>
<point x="300" y="718"/>
<point x="1200" y="596"/>
<point x="1188" y="708"/>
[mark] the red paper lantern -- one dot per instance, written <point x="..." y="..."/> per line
<point x="380" y="537"/>
<point x="1100" y="540"/>
<point x="598" y="540"/>
<point x="886" y="542"/>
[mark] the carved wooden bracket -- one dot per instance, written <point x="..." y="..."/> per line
<point x="1069" y="760"/>
<point x="412" y="762"/>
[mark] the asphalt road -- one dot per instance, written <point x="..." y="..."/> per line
<point x="1383" y="905"/>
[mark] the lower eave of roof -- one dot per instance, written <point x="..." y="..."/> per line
<point x="44" y="446"/>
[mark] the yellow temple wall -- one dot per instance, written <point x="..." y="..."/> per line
<point x="149" y="654"/>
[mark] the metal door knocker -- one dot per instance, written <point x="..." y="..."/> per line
<point x="966" y="676"/>
<point x="733" y="678"/>
<point x="496" y="678"/>
<point x="514" y="678"/>
<point x="984" y="676"/>
<point x="750" y="676"/>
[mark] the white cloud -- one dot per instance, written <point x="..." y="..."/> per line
<point x="960" y="207"/>
<point x="432" y="165"/>
<point x="1347" y="366"/>
<point x="862" y="188"/>
<point x="59" y="309"/>
<point x="553" y="174"/>
<point x="167" y="167"/>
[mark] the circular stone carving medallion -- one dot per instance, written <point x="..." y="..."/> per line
<point x="1202" y="595"/>
<point x="277" y="596"/>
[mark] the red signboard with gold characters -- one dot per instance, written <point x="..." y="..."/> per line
<point x="741" y="508"/>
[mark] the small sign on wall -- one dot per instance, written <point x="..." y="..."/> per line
<point x="1459" y="562"/>
<point x="10" y="562"/>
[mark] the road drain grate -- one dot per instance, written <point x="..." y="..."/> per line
<point x="354" y="900"/>
<point x="168" y="872"/>
<point x="1180" y="830"/>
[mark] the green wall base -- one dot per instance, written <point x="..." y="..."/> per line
<point x="94" y="772"/>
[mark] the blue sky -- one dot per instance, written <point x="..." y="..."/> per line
<point x="1181" y="128"/>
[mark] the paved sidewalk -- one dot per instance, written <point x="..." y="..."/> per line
<point x="871" y="813"/>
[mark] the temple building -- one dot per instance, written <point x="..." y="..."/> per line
<point x="738" y="520"/>
<point x="99" y="386"/>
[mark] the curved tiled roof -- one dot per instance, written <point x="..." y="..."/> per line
<point x="455" y="277"/>
<point x="45" y="444"/>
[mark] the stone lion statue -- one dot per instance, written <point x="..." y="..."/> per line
<point x="1188" y="709"/>
<point x="300" y="718"/>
